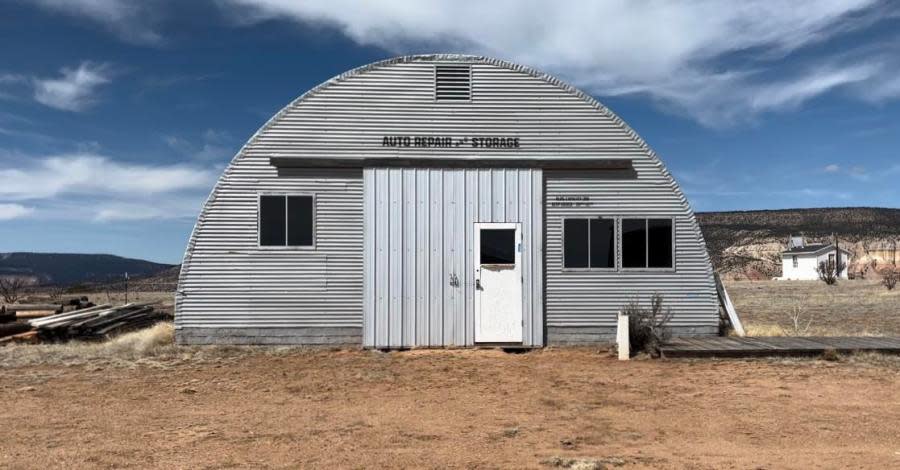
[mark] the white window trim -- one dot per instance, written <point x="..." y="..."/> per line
<point x="286" y="224"/>
<point x="562" y="237"/>
<point x="647" y="245"/>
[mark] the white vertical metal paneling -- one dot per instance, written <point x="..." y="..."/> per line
<point x="428" y="238"/>
<point x="226" y="280"/>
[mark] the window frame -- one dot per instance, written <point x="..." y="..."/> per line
<point x="616" y="240"/>
<point x="286" y="247"/>
<point x="647" y="244"/>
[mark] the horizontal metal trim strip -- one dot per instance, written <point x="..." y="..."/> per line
<point x="559" y="163"/>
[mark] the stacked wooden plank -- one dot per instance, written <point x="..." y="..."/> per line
<point x="20" y="311"/>
<point x="25" y="311"/>
<point x="98" y="322"/>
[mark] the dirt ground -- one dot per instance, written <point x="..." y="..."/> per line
<point x="288" y="408"/>
<point x="859" y="307"/>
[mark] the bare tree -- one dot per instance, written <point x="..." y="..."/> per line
<point x="799" y="322"/>
<point x="56" y="292"/>
<point x="11" y="287"/>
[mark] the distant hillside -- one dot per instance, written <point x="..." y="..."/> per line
<point x="748" y="244"/>
<point x="67" y="269"/>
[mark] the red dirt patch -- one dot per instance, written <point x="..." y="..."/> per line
<point x="438" y="409"/>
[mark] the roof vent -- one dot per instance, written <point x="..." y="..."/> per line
<point x="452" y="82"/>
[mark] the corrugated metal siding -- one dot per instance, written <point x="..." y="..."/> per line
<point x="348" y="116"/>
<point x="422" y="223"/>
<point x="592" y="298"/>
<point x="230" y="281"/>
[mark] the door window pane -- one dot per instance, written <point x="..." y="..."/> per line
<point x="272" y="227"/>
<point x="634" y="243"/>
<point x="300" y="221"/>
<point x="603" y="251"/>
<point x="498" y="246"/>
<point x="575" y="239"/>
<point x="659" y="243"/>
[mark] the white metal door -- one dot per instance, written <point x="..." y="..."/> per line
<point x="498" y="283"/>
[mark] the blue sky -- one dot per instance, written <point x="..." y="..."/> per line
<point x="117" y="116"/>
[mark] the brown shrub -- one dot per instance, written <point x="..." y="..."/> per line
<point x="647" y="327"/>
<point x="889" y="278"/>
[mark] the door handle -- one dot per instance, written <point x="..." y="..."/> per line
<point x="478" y="284"/>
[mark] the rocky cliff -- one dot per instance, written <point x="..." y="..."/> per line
<point x="748" y="244"/>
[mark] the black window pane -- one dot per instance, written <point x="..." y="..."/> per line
<point x="271" y="221"/>
<point x="498" y="246"/>
<point x="603" y="253"/>
<point x="300" y="220"/>
<point x="575" y="237"/>
<point x="659" y="243"/>
<point x="634" y="243"/>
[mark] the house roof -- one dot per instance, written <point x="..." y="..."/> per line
<point x="810" y="249"/>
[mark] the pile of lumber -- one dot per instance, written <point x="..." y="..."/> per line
<point x="93" y="323"/>
<point x="12" y="312"/>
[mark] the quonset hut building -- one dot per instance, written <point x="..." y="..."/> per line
<point x="441" y="201"/>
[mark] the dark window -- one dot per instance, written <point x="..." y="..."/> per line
<point x="589" y="243"/>
<point x="634" y="243"/>
<point x="603" y="243"/>
<point x="659" y="243"/>
<point x="272" y="226"/>
<point x="300" y="221"/>
<point x="286" y="220"/>
<point x="575" y="239"/>
<point x="647" y="243"/>
<point x="498" y="246"/>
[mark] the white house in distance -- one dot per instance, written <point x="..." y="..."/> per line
<point x="799" y="261"/>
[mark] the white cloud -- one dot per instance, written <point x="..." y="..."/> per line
<point x="75" y="91"/>
<point x="709" y="59"/>
<point x="158" y="208"/>
<point x="7" y="81"/>
<point x="859" y="173"/>
<point x="14" y="211"/>
<point x="89" y="174"/>
<point x="832" y="168"/>
<point x="7" y="78"/>
<point x="214" y="146"/>
<point x="129" y="19"/>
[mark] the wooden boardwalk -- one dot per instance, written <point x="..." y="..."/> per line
<point x="776" y="346"/>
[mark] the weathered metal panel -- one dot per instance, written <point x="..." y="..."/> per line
<point x="591" y="298"/>
<point x="227" y="281"/>
<point x="232" y="282"/>
<point x="453" y="197"/>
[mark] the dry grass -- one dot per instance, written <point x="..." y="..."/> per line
<point x="850" y="308"/>
<point x="154" y="346"/>
<point x="164" y="300"/>
<point x="764" y="329"/>
<point x="154" y="342"/>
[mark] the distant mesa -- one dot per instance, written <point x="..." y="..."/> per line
<point x="748" y="244"/>
<point x="64" y="269"/>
